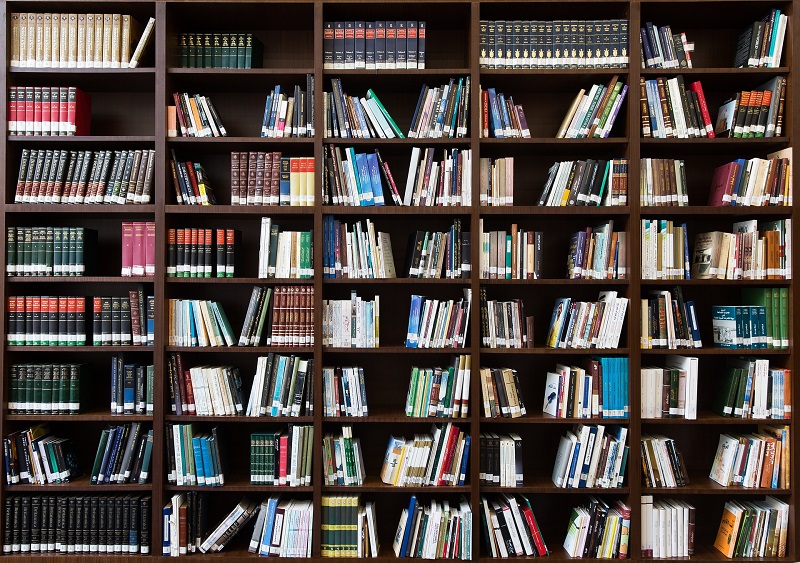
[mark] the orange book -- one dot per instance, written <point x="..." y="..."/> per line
<point x="728" y="529"/>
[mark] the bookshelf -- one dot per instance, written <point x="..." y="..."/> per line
<point x="128" y="113"/>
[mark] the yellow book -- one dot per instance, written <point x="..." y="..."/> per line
<point x="728" y="529"/>
<point x="15" y="39"/>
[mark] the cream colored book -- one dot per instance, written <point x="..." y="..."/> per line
<point x="89" y="40"/>
<point x="31" y="40"/>
<point x="15" y="36"/>
<point x="39" y="40"/>
<point x="97" y="57"/>
<point x="116" y="40"/>
<point x="81" y="41"/>
<point x="22" y="46"/>
<point x="107" y="40"/>
<point x="63" y="41"/>
<point x="47" y="41"/>
<point x="72" y="41"/>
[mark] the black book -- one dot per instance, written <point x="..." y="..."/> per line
<point x="116" y="321"/>
<point x="144" y="525"/>
<point x="119" y="531"/>
<point x="36" y="523"/>
<point x="126" y="334"/>
<point x="124" y="529"/>
<point x="70" y="523"/>
<point x="92" y="504"/>
<point x="16" y="534"/>
<point x="102" y="524"/>
<point x="105" y="316"/>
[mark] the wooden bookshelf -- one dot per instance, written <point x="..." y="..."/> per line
<point x="128" y="111"/>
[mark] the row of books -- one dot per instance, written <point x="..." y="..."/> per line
<point x="283" y="528"/>
<point x="343" y="459"/>
<point x="431" y="182"/>
<point x="357" y="179"/>
<point x="662" y="182"/>
<point x="440" y="392"/>
<point x="441" y="530"/>
<point x="63" y="524"/>
<point x="356" y="252"/>
<point x="201" y="253"/>
<point x="755" y="113"/>
<point x="513" y="254"/>
<point x="289" y="116"/>
<point x="501" y="118"/>
<point x="89" y="177"/>
<point x="49" y="251"/>
<point x="46" y="321"/>
<point x="753" y="460"/>
<point x="599" y="530"/>
<point x="591" y="456"/>
<point x="216" y="540"/>
<point x="553" y="43"/>
<point x="668" y="527"/>
<point x="671" y="109"/>
<point x="660" y="48"/>
<point x="439" y="254"/>
<point x="348" y="529"/>
<point x="138" y="248"/>
<point x="587" y="324"/>
<point x="191" y="182"/>
<point x="501" y="459"/>
<point x="509" y="527"/>
<point x="671" y="391"/>
<point x="47" y="40"/>
<point x="344" y="392"/>
<point x="438" y="323"/>
<point x="373" y="45"/>
<point x="198" y="323"/>
<point x="738" y="529"/>
<point x="282" y="458"/>
<point x="195" y="116"/>
<point x="590" y="182"/>
<point x="760" y="45"/>
<point x="745" y="326"/>
<point x="353" y="117"/>
<point x="288" y="316"/>
<point x="123" y="321"/>
<point x="668" y="321"/>
<point x="48" y="111"/>
<point x="501" y="393"/>
<point x="45" y="388"/>
<point x="598" y="253"/>
<point x="497" y="181"/>
<point x="219" y="50"/>
<point x="662" y="462"/>
<point x="665" y="251"/>
<point x="35" y="456"/>
<point x="123" y="455"/>
<point x="597" y="390"/>
<point x="203" y="390"/>
<point x="442" y="111"/>
<point x="751" y="252"/>
<point x="269" y="178"/>
<point x="753" y="181"/>
<point x="593" y="115"/>
<point x="283" y="386"/>
<point x="187" y="512"/>
<point x="284" y="254"/>
<point x="351" y="323"/>
<point x="504" y="324"/>
<point x="752" y="389"/>
<point x="436" y="459"/>
<point x="132" y="387"/>
<point x="194" y="458"/>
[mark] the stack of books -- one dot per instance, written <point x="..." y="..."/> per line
<point x="359" y="179"/>
<point x="501" y="393"/>
<point x="289" y="116"/>
<point x="269" y="178"/>
<point x="374" y="45"/>
<point x="504" y="324"/>
<point x="46" y="321"/>
<point x="283" y="386"/>
<point x="597" y="253"/>
<point x="583" y="324"/>
<point x="283" y="528"/>
<point x="753" y="181"/>
<point x="282" y="458"/>
<point x="49" y="251"/>
<point x="351" y="117"/>
<point x="194" y="458"/>
<point x="663" y="49"/>
<point x="657" y="516"/>
<point x="201" y="253"/>
<point x="580" y="452"/>
<point x="752" y="389"/>
<point x="284" y="254"/>
<point x="36" y="457"/>
<point x="440" y="392"/>
<point x="750" y="252"/>
<point x="510" y="528"/>
<point x="663" y="182"/>
<point x="437" y="459"/>
<point x="597" y="390"/>
<point x="343" y="518"/>
<point x="435" y="323"/>
<point x="343" y="459"/>
<point x="196" y="116"/>
<point x="344" y="391"/>
<point x="123" y="321"/>
<point x="219" y="50"/>
<point x="46" y="388"/>
<point x="123" y="455"/>
<point x="132" y="386"/>
<point x="501" y="459"/>
<point x="740" y="518"/>
<point x="671" y="391"/>
<point x="439" y="182"/>
<point x="439" y="254"/>
<point x="754" y="113"/>
<point x="230" y="526"/>
<point x="191" y="182"/>
<point x="502" y="118"/>
<point x="361" y="252"/>
<point x="670" y="109"/>
<point x="592" y="115"/>
<point x="753" y="460"/>
<point x="442" y="112"/>
<point x="613" y="520"/>
<point x="37" y="111"/>
<point x="665" y="250"/>
<point x="587" y="182"/>
<point x="515" y="254"/>
<point x="138" y="248"/>
<point x="669" y="322"/>
<point x="760" y="45"/>
<point x="662" y="462"/>
<point x="445" y="530"/>
<point x="351" y="323"/>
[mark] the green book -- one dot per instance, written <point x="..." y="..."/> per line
<point x="227" y="331"/>
<point x="216" y="53"/>
<point x="58" y="249"/>
<point x="79" y="248"/>
<point x="784" y="315"/>
<point x="240" y="50"/>
<point x="183" y="51"/>
<point x="37" y="388"/>
<point x="761" y="297"/>
<point x="372" y="96"/>
<point x="776" y="317"/>
<point x="98" y="458"/>
<point x="726" y="392"/>
<point x="11" y="251"/>
<point x="148" y="450"/>
<point x="48" y="251"/>
<point x="262" y="316"/>
<point x="741" y="386"/>
<point x="47" y="388"/>
<point x="150" y="389"/>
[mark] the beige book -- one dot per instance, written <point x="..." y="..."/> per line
<point x="106" y="40"/>
<point x="137" y="53"/>
<point x="81" y="41"/>
<point x="116" y="39"/>
<point x="72" y="41"/>
<point x="47" y="41"/>
<point x="31" y="51"/>
<point x="15" y="33"/>
<point x="98" y="41"/>
<point x="89" y="40"/>
<point x="39" y="40"/>
<point x="55" y="26"/>
<point x="310" y="181"/>
<point x="63" y="40"/>
<point x="172" y="122"/>
<point x="22" y="46"/>
<point x="130" y="29"/>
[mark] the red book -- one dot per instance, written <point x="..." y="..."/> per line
<point x="80" y="310"/>
<point x="183" y="544"/>
<point x="127" y="249"/>
<point x="63" y="111"/>
<point x="12" y="110"/>
<point x="722" y="184"/>
<point x="208" y="249"/>
<point x="29" y="119"/>
<point x="37" y="111"/>
<point x="697" y="88"/>
<point x="193" y="252"/>
<point x="72" y="311"/>
<point x="447" y="454"/>
<point x="536" y="533"/>
<point x="78" y="112"/>
<point x="55" y="110"/>
<point x="485" y="112"/>
<point x="230" y="241"/>
<point x="13" y="329"/>
<point x="190" y="404"/>
<point x="283" y="459"/>
<point x="150" y="249"/>
<point x="625" y="532"/>
<point x="137" y="266"/>
<point x="46" y="111"/>
<point x="192" y="180"/>
<point x="234" y="178"/>
<point x="133" y="297"/>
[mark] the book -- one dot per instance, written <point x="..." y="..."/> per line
<point x="351" y="323"/>
<point x="424" y="537"/>
<point x="440" y="391"/>
<point x="679" y="516"/>
<point x="281" y="458"/>
<point x="360" y="251"/>
<point x="596" y="389"/>
<point x="597" y="530"/>
<point x="509" y="526"/>
<point x="580" y="452"/>
<point x="434" y="323"/>
<point x="344" y="391"/>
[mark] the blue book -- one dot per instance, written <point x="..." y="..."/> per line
<point x="736" y="187"/>
<point x="199" y="470"/>
<point x="495" y="125"/>
<point x="501" y="102"/>
<point x="463" y="473"/>
<point x="276" y="102"/>
<point x="452" y="118"/>
<point x="279" y="376"/>
<point x="267" y="107"/>
<point x="412" y="338"/>
<point x="107" y="454"/>
<point x="285" y="180"/>
<point x="364" y="180"/>
<point x="165" y="539"/>
<point x="112" y="458"/>
<point x="266" y="539"/>
<point x="114" y="375"/>
<point x="362" y="120"/>
<point x="412" y="506"/>
<point x="654" y="106"/>
<point x="590" y="445"/>
<point x="573" y="466"/>
<point x="208" y="466"/>
<point x="375" y="178"/>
